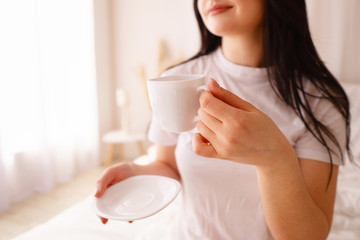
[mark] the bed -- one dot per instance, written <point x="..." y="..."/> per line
<point x="79" y="222"/>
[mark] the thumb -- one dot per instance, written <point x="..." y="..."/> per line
<point x="228" y="97"/>
<point x="100" y="189"/>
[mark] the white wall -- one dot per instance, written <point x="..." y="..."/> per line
<point x="335" y="28"/>
<point x="138" y="27"/>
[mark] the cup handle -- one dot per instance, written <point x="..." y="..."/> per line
<point x="196" y="119"/>
<point x="202" y="88"/>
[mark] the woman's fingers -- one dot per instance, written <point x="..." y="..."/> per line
<point x="206" y="133"/>
<point x="202" y="147"/>
<point x="228" y="97"/>
<point x="214" y="106"/>
<point x="99" y="192"/>
<point x="103" y="220"/>
<point x="211" y="122"/>
<point x="110" y="176"/>
<point x="219" y="114"/>
<point x="107" y="179"/>
<point x="101" y="187"/>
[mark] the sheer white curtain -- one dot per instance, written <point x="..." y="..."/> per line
<point x="48" y="106"/>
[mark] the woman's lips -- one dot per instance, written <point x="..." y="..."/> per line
<point x="217" y="9"/>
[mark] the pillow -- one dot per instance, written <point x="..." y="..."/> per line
<point x="349" y="173"/>
<point x="346" y="220"/>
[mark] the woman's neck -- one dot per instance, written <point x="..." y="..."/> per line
<point x="244" y="50"/>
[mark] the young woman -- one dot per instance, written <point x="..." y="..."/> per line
<point x="263" y="160"/>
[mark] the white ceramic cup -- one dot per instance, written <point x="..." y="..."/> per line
<point x="175" y="100"/>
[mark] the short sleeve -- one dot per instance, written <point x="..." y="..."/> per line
<point x="308" y="147"/>
<point x="159" y="136"/>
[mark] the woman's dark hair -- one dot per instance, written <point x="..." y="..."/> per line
<point x="290" y="56"/>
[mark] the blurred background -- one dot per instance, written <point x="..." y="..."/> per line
<point x="73" y="89"/>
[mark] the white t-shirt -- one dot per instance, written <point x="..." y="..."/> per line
<point x="220" y="198"/>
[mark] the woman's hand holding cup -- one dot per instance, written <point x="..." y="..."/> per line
<point x="175" y="100"/>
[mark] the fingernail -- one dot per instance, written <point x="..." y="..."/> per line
<point x="215" y="82"/>
<point x="96" y="194"/>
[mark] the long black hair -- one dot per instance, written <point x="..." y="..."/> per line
<point x="290" y="56"/>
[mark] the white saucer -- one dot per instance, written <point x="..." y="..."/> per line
<point x="136" y="197"/>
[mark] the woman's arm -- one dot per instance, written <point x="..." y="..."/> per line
<point x="164" y="165"/>
<point x="296" y="201"/>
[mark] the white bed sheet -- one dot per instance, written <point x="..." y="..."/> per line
<point x="346" y="223"/>
<point x="79" y="222"/>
